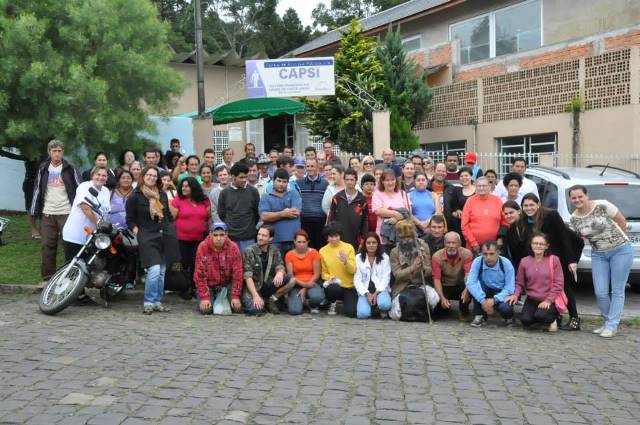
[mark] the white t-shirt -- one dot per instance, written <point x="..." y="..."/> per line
<point x="56" y="200"/>
<point x="73" y="230"/>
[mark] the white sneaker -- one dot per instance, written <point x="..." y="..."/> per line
<point x="478" y="321"/>
<point x="599" y="330"/>
<point x="607" y="333"/>
<point x="553" y="327"/>
<point x="314" y="311"/>
<point x="332" y="309"/>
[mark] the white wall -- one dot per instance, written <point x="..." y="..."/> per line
<point x="11" y="176"/>
<point x="12" y="172"/>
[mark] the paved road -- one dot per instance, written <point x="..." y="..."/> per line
<point x="96" y="366"/>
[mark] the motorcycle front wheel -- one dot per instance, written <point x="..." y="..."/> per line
<point x="59" y="293"/>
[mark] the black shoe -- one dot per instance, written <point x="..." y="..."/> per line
<point x="185" y="295"/>
<point x="572" y="325"/>
<point x="272" y="306"/>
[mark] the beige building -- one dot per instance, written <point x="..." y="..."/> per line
<point x="224" y="80"/>
<point x="503" y="72"/>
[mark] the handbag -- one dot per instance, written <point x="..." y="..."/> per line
<point x="561" y="300"/>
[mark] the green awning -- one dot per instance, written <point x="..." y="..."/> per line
<point x="250" y="109"/>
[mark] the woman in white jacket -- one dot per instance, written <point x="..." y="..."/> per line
<point x="372" y="277"/>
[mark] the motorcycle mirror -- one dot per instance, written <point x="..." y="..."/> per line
<point x="93" y="191"/>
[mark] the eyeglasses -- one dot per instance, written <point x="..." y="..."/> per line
<point x="367" y="163"/>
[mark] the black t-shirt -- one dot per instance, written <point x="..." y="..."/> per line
<point x="264" y="258"/>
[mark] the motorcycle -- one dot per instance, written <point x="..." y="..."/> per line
<point x="102" y="263"/>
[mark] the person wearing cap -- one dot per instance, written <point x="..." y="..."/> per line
<point x="281" y="207"/>
<point x="471" y="161"/>
<point x="298" y="172"/>
<point x="264" y="169"/>
<point x="312" y="187"/>
<point x="218" y="270"/>
<point x="238" y="207"/>
<point x="265" y="277"/>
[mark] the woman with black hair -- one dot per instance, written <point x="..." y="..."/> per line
<point x="514" y="242"/>
<point x="127" y="157"/>
<point x="512" y="182"/>
<point x="563" y="243"/>
<point x="193" y="164"/>
<point x="101" y="160"/>
<point x="191" y="210"/>
<point x="372" y="278"/>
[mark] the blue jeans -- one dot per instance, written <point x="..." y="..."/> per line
<point x="315" y="296"/>
<point x="154" y="284"/>
<point x="243" y="245"/>
<point x="363" y="310"/>
<point x="504" y="310"/>
<point x="610" y="271"/>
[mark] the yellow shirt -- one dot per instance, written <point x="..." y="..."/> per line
<point x="333" y="267"/>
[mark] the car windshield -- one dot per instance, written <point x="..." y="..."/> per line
<point x="623" y="197"/>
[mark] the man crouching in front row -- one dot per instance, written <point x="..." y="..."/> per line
<point x="218" y="273"/>
<point x="265" y="277"/>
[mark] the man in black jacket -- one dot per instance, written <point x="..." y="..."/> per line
<point x="238" y="207"/>
<point x="349" y="208"/>
<point x="54" y="191"/>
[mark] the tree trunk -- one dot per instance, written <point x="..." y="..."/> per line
<point x="576" y="137"/>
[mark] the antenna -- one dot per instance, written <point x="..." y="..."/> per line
<point x="604" y="169"/>
<point x="363" y="95"/>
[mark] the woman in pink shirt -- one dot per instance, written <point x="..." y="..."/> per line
<point x="540" y="277"/>
<point x="191" y="210"/>
<point x="387" y="200"/>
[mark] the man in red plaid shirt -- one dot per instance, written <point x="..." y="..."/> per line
<point x="218" y="266"/>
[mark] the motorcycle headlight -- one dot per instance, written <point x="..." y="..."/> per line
<point x="102" y="242"/>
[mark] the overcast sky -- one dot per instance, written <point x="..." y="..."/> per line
<point x="303" y="7"/>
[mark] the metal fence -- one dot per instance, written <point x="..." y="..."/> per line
<point x="501" y="162"/>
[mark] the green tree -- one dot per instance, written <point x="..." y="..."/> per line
<point x="406" y="88"/>
<point x="346" y="117"/>
<point x="88" y="72"/>
<point x="341" y="12"/>
<point x="406" y="92"/>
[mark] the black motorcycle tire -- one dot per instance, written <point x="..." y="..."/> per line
<point x="79" y="281"/>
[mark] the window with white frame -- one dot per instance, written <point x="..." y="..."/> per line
<point x="508" y="30"/>
<point x="220" y="143"/>
<point x="529" y="147"/>
<point x="411" y="43"/>
<point x="438" y="151"/>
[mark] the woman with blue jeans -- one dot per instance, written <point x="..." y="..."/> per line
<point x="611" y="254"/>
<point x="372" y="277"/>
<point x="149" y="218"/>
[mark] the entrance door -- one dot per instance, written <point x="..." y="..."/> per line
<point x="274" y="133"/>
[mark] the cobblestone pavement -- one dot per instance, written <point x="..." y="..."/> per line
<point x="97" y="366"/>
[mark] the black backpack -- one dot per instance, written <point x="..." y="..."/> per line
<point x="413" y="305"/>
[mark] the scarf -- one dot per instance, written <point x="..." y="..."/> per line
<point x="407" y="251"/>
<point x="155" y="206"/>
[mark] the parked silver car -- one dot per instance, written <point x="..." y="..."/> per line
<point x="618" y="186"/>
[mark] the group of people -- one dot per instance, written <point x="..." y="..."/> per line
<point x="277" y="231"/>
